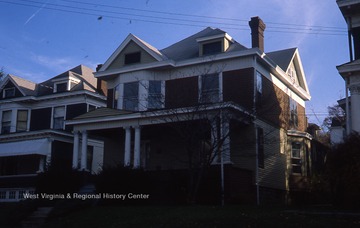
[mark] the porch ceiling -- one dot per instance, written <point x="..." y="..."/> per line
<point x="38" y="146"/>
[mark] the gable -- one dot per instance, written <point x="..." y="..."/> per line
<point x="289" y="62"/>
<point x="131" y="49"/>
<point x="131" y="45"/>
<point x="9" y="90"/>
<point x="295" y="73"/>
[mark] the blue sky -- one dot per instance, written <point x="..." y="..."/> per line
<point x="43" y="38"/>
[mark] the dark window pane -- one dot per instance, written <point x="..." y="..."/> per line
<point x="61" y="87"/>
<point x="212" y="48"/>
<point x="132" y="58"/>
<point x="131" y="96"/>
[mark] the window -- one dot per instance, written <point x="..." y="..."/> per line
<point x="260" y="147"/>
<point x="6" y="122"/>
<point x="89" y="158"/>
<point x="21" y="194"/>
<point x="132" y="58"/>
<point x="296" y="157"/>
<point x="91" y="108"/>
<point x="22" y="119"/>
<point x="293" y="113"/>
<point x="2" y="194"/>
<point x="131" y="96"/>
<point x="61" y="87"/>
<point x="58" y="117"/>
<point x="258" y="87"/>
<point x="12" y="194"/>
<point x="155" y="95"/>
<point x="209" y="88"/>
<point x="9" y="92"/>
<point x="212" y="48"/>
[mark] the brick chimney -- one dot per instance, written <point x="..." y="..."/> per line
<point x="257" y="32"/>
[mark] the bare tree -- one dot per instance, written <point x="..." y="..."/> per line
<point x="335" y="114"/>
<point x="2" y="73"/>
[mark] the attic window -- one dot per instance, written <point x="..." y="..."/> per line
<point x="9" y="92"/>
<point x="61" y="87"/>
<point x="65" y="85"/>
<point x="132" y="58"/>
<point x="212" y="48"/>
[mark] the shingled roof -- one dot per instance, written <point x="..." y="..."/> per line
<point x="189" y="47"/>
<point x="80" y="72"/>
<point x="28" y="88"/>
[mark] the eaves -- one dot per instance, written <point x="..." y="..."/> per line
<point x="32" y="99"/>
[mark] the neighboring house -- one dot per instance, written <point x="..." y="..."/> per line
<point x="319" y="149"/>
<point x="351" y="71"/>
<point x="33" y="134"/>
<point x="257" y="99"/>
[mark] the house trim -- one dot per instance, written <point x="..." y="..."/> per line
<point x="53" y="96"/>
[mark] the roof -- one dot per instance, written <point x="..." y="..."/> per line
<point x="347" y="68"/>
<point x="189" y="47"/>
<point x="28" y="88"/>
<point x="80" y="72"/>
<point x="102" y="112"/>
<point x="282" y="58"/>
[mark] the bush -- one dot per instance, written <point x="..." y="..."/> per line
<point x="54" y="181"/>
<point x="343" y="168"/>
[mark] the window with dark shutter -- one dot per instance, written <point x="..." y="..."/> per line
<point x="6" y="122"/>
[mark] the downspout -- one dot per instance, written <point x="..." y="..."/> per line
<point x="222" y="160"/>
<point x="256" y="135"/>
<point x="257" y="165"/>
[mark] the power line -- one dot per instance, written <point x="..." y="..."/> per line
<point x="201" y="16"/>
<point x="302" y="29"/>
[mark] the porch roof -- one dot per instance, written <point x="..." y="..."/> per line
<point x="37" y="146"/>
<point x="102" y="112"/>
<point x="106" y="118"/>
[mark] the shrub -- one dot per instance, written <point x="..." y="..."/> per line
<point x="54" y="181"/>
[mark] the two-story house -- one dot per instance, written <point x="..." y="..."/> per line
<point x="350" y="72"/>
<point x="244" y="107"/>
<point x="33" y="132"/>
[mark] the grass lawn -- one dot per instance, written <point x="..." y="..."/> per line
<point x="198" y="216"/>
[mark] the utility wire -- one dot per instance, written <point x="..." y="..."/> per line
<point x="200" y="16"/>
<point x="318" y="30"/>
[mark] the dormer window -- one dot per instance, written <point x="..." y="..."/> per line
<point x="212" y="45"/>
<point x="65" y="85"/>
<point x="9" y="92"/>
<point x="212" y="48"/>
<point x="61" y="87"/>
<point x="132" y="58"/>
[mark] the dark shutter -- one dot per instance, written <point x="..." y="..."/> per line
<point x="40" y="119"/>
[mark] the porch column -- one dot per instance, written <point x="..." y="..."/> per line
<point x="127" y="146"/>
<point x="42" y="164"/>
<point x="355" y="107"/>
<point x="137" y="147"/>
<point x="84" y="150"/>
<point x="225" y="137"/>
<point x="75" y="161"/>
<point x="215" y="141"/>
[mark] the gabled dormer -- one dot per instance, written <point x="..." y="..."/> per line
<point x="296" y="73"/>
<point x="132" y="51"/>
<point x="64" y="84"/>
<point x="214" y="44"/>
<point x="289" y="62"/>
<point x="13" y="86"/>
